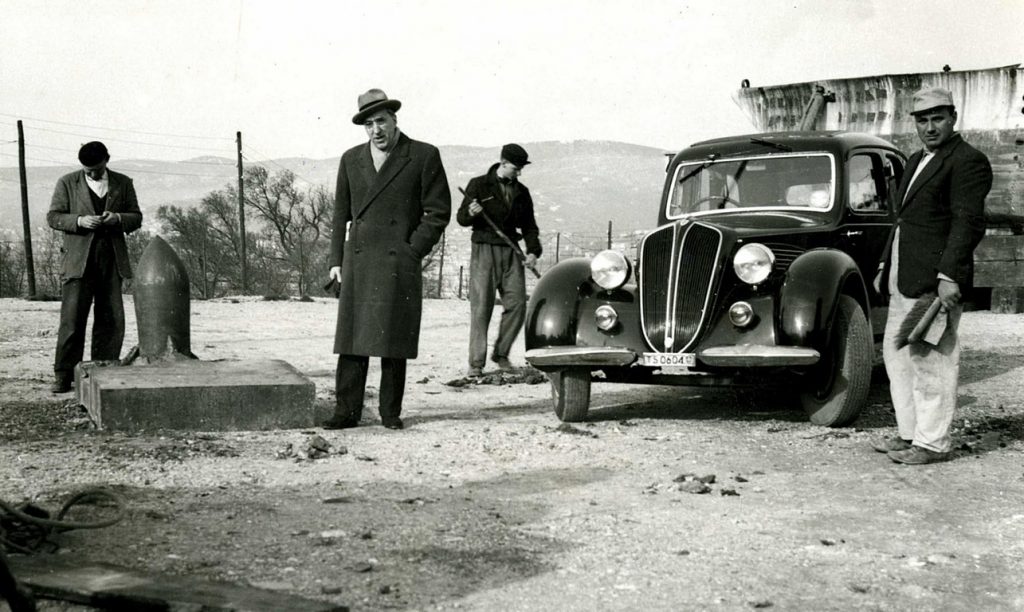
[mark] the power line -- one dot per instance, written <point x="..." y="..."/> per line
<point x="268" y="160"/>
<point x="142" y="142"/>
<point x="133" y="170"/>
<point x="95" y="127"/>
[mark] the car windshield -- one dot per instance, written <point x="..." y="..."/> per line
<point x="784" y="180"/>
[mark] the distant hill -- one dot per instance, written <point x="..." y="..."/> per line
<point x="577" y="186"/>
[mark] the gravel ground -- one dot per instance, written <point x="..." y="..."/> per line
<point x="485" y="502"/>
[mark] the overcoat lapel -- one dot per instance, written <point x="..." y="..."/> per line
<point x="394" y="164"/>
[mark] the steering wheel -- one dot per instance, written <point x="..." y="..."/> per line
<point x="727" y="202"/>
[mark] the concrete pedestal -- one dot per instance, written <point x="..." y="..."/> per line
<point x="196" y="395"/>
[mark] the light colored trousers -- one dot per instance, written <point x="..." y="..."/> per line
<point x="494" y="268"/>
<point x="922" y="378"/>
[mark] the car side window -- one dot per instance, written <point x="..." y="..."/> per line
<point x="867" y="185"/>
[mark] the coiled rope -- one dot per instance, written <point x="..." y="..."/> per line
<point x="27" y="529"/>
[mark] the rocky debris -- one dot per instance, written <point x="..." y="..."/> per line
<point x="362" y="567"/>
<point x="518" y="376"/>
<point x="566" y="428"/>
<point x="317" y="447"/>
<point x="729" y="493"/>
<point x="331" y="537"/>
<point x="173" y="446"/>
<point x="694" y="486"/>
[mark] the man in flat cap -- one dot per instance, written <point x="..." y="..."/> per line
<point x="498" y="197"/>
<point x="392" y="204"/>
<point x="931" y="253"/>
<point x="94" y="207"/>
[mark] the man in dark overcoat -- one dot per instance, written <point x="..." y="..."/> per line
<point x="931" y="252"/>
<point x="94" y="207"/>
<point x="392" y="204"/>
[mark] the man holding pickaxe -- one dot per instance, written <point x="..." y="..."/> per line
<point x="500" y="210"/>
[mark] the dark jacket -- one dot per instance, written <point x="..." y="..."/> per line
<point x="397" y="215"/>
<point x="941" y="219"/>
<point x="516" y="221"/>
<point x="72" y="199"/>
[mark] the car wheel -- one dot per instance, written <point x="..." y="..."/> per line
<point x="570" y="393"/>
<point x="840" y="383"/>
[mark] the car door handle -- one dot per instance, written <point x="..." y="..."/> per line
<point x="850" y="233"/>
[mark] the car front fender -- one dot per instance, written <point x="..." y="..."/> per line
<point x="552" y="316"/>
<point x="810" y="295"/>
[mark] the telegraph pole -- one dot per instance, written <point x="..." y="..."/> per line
<point x="30" y="267"/>
<point x="241" y="215"/>
<point x="440" y="268"/>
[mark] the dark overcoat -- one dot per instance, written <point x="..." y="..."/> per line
<point x="941" y="219"/>
<point x="394" y="218"/>
<point x="71" y="200"/>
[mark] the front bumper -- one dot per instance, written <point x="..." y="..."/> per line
<point x="748" y="355"/>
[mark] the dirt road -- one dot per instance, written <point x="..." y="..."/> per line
<point x="484" y="503"/>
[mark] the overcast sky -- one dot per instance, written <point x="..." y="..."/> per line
<point x="176" y="79"/>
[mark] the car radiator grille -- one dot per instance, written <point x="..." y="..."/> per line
<point x="677" y="267"/>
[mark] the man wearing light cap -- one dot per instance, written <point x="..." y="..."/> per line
<point x="499" y="198"/>
<point x="391" y="206"/>
<point x="94" y="207"/>
<point x="931" y="253"/>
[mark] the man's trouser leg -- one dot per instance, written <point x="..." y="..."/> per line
<point x="922" y="379"/>
<point x="76" y="299"/>
<point x="108" y="305"/>
<point x="350" y="386"/>
<point x="512" y="289"/>
<point x="481" y="301"/>
<point x="898" y="367"/>
<point x="392" y="387"/>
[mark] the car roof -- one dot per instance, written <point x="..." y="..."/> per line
<point x="832" y="141"/>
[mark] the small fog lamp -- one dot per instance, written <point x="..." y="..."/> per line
<point x="605" y="317"/>
<point x="609" y="269"/>
<point x="741" y="314"/>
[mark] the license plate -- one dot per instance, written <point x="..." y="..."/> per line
<point x="670" y="360"/>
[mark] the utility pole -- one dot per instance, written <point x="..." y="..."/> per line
<point x="241" y="216"/>
<point x="440" y="268"/>
<point x="30" y="267"/>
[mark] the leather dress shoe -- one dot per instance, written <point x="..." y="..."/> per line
<point x="890" y="443"/>
<point x="474" y="371"/>
<point x="395" y="423"/>
<point x="337" y="422"/>
<point x="917" y="455"/>
<point x="60" y="386"/>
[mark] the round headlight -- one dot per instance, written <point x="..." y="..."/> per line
<point x="753" y="263"/>
<point x="609" y="269"/>
<point x="605" y="317"/>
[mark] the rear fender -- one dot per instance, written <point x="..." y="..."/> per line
<point x="810" y="295"/>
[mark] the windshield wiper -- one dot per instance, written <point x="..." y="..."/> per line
<point x="773" y="145"/>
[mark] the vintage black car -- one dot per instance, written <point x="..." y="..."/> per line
<point x="759" y="273"/>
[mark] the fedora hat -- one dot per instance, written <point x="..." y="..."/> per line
<point x="372" y="101"/>
<point x="929" y="98"/>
